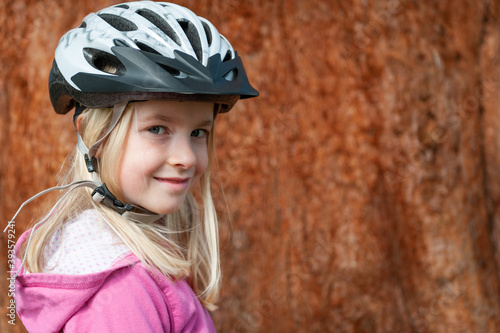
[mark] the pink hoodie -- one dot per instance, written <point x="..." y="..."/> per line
<point x="124" y="298"/>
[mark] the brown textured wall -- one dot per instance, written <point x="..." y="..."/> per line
<point x="362" y="186"/>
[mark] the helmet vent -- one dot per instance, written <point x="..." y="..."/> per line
<point x="83" y="25"/>
<point x="160" y="23"/>
<point x="120" y="42"/>
<point x="146" y="48"/>
<point x="231" y="75"/>
<point x="208" y="33"/>
<point x="118" y="22"/>
<point x="192" y="35"/>
<point x="228" y="56"/>
<point x="124" y="6"/>
<point x="103" y="61"/>
<point x="172" y="71"/>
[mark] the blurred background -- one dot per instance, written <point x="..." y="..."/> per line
<point x="359" y="193"/>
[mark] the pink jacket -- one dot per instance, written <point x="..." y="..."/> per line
<point x="124" y="298"/>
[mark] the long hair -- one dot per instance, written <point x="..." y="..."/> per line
<point x="184" y="246"/>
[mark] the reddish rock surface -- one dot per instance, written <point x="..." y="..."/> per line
<point x="360" y="191"/>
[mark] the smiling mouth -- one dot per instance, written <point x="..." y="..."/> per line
<point x="174" y="182"/>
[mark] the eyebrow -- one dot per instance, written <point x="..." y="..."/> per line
<point x="208" y="122"/>
<point x="165" y="118"/>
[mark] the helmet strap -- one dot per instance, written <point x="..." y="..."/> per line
<point x="89" y="153"/>
<point x="138" y="215"/>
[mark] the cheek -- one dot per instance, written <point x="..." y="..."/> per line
<point x="140" y="162"/>
<point x="127" y="176"/>
<point x="201" y="161"/>
<point x="133" y="166"/>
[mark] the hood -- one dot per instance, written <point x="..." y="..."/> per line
<point x="45" y="301"/>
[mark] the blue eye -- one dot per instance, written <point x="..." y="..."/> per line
<point x="199" y="133"/>
<point x="157" y="130"/>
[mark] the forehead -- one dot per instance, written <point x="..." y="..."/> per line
<point x="175" y="110"/>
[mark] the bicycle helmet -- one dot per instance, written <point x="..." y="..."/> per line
<point x="139" y="51"/>
<point x="145" y="50"/>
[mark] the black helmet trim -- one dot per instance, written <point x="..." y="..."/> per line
<point x="180" y="78"/>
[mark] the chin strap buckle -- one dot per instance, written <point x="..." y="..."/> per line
<point x="102" y="195"/>
<point x="91" y="163"/>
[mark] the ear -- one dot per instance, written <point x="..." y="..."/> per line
<point x="78" y="126"/>
<point x="78" y="123"/>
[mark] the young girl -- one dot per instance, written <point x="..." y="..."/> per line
<point x="127" y="248"/>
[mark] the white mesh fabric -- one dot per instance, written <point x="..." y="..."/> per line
<point x="86" y="245"/>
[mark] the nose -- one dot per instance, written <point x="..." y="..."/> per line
<point x="181" y="153"/>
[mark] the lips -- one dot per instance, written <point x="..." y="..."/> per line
<point x="174" y="183"/>
<point x="173" y="180"/>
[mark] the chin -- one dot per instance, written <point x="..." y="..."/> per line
<point x="166" y="210"/>
<point x="164" y="206"/>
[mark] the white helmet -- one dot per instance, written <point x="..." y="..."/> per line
<point x="145" y="50"/>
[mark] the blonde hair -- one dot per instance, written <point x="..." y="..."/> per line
<point x="184" y="246"/>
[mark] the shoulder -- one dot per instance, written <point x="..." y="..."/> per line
<point x="186" y="312"/>
<point x="128" y="300"/>
<point x="85" y="245"/>
<point x="143" y="300"/>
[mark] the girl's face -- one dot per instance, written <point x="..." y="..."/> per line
<point x="165" y="153"/>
